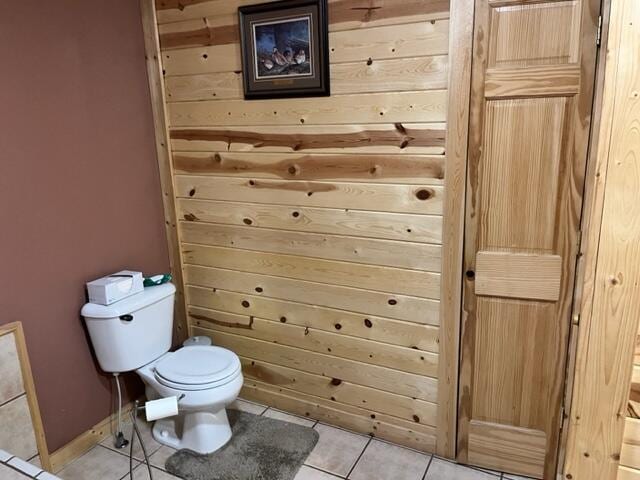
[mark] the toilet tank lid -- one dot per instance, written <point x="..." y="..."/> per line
<point x="130" y="304"/>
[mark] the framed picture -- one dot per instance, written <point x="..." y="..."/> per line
<point x="285" y="49"/>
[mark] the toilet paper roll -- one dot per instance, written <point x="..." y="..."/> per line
<point x="165" y="407"/>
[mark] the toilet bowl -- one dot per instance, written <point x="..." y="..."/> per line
<point x="134" y="334"/>
<point x="206" y="380"/>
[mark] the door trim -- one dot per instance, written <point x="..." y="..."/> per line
<point x="455" y="181"/>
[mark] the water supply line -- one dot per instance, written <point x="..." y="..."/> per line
<point x="120" y="441"/>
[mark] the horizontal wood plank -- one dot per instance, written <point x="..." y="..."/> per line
<point x="385" y="379"/>
<point x="395" y="107"/>
<point x="424" y="199"/>
<point x="398" y="138"/>
<point x="366" y="351"/>
<point x="425" y="169"/>
<point x="626" y="473"/>
<point x="371" y="277"/>
<point x="343" y="14"/>
<point x="358" y="420"/>
<point x="400" y="307"/>
<point x="380" y="225"/>
<point x="630" y="454"/>
<point x="412" y="335"/>
<point x="217" y="25"/>
<point x="414" y="256"/>
<point x="377" y="401"/>
<point x="393" y="41"/>
<point x="378" y="43"/>
<point x="367" y="76"/>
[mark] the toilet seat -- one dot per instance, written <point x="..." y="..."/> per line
<point x="197" y="368"/>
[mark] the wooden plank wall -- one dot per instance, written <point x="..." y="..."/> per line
<point x="311" y="229"/>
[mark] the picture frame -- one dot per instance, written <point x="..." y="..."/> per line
<point x="284" y="48"/>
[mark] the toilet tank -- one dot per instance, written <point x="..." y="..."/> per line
<point x="132" y="332"/>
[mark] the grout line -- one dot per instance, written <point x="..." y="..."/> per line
<point x="360" y="456"/>
<point x="323" y="471"/>
<point x="7" y="402"/>
<point x="424" y="477"/>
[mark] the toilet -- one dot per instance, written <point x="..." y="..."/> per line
<point x="135" y="334"/>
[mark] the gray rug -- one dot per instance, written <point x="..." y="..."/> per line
<point x="261" y="448"/>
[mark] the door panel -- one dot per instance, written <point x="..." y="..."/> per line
<point x="532" y="85"/>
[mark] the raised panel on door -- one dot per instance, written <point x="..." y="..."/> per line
<point x="532" y="85"/>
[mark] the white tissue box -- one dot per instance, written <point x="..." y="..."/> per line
<point x="110" y="289"/>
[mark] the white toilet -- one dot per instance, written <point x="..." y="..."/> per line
<point x="135" y="334"/>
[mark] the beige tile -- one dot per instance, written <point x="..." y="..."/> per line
<point x="248" y="407"/>
<point x="337" y="450"/>
<point x="98" y="463"/>
<point x="285" y="417"/>
<point x="486" y="470"/>
<point x="7" y="473"/>
<point x="10" y="374"/>
<point x="16" y="435"/>
<point x="150" y="443"/>
<point x="142" y="473"/>
<point x="161" y="455"/>
<point x="36" y="461"/>
<point x="385" y="461"/>
<point x="443" y="470"/>
<point x="308" y="473"/>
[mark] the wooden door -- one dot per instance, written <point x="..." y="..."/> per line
<point x="532" y="85"/>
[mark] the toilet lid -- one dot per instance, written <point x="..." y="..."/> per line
<point x="197" y="365"/>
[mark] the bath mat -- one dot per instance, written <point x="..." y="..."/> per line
<point x="261" y="448"/>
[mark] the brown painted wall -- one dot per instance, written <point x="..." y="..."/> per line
<point x="79" y="187"/>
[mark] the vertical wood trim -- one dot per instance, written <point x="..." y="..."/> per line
<point x="156" y="89"/>
<point x="30" y="389"/>
<point x="460" y="50"/>
<point x="610" y="299"/>
<point x="595" y="176"/>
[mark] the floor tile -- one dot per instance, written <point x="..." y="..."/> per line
<point x="308" y="473"/>
<point x="384" y="461"/>
<point x="8" y="473"/>
<point x="161" y="455"/>
<point x="24" y="467"/>
<point x="486" y="470"/>
<point x="286" y="417"/>
<point x="98" y="463"/>
<point x="142" y="473"/>
<point x="443" y="470"/>
<point x="36" y="461"/>
<point x="150" y="443"/>
<point x="248" y="407"/>
<point x="511" y="476"/>
<point x="337" y="450"/>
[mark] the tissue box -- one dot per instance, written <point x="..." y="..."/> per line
<point x="110" y="289"/>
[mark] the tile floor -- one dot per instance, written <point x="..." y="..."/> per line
<point x="339" y="454"/>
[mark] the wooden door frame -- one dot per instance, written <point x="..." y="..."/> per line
<point x="460" y="55"/>
<point x="605" y="338"/>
